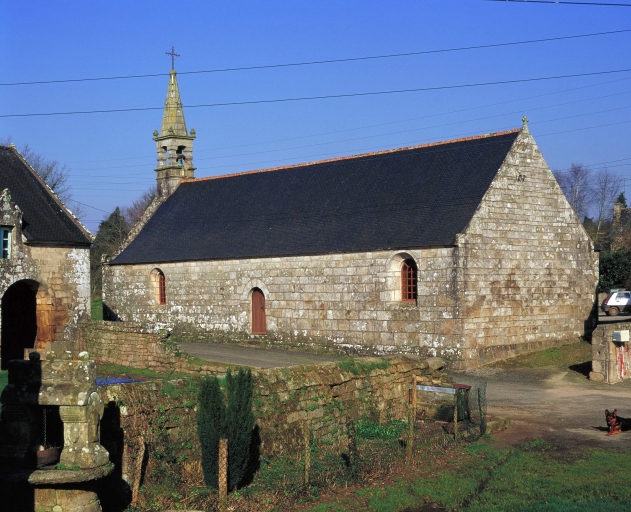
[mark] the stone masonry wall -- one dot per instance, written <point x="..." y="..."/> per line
<point x="59" y="276"/>
<point x="528" y="271"/>
<point x="323" y="398"/>
<point x="611" y="362"/>
<point x="348" y="302"/>
<point x="129" y="345"/>
<point x="62" y="278"/>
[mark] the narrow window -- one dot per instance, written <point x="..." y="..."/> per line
<point x="5" y="243"/>
<point x="408" y="281"/>
<point x="258" y="312"/>
<point x="162" y="288"/>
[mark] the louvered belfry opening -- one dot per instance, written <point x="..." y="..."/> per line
<point x="408" y="281"/>
<point x="258" y="312"/>
<point x="162" y="288"/>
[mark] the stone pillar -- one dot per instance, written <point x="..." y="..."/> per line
<point x="81" y="434"/>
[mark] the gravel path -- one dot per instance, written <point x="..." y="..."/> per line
<point x="550" y="402"/>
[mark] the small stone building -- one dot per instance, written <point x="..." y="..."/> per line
<point x="44" y="262"/>
<point x="465" y="249"/>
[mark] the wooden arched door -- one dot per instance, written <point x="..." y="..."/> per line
<point x="258" y="312"/>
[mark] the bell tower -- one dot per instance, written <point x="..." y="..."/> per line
<point x="174" y="143"/>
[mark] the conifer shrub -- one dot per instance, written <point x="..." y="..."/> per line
<point x="234" y="421"/>
<point x="242" y="443"/>
<point x="211" y="420"/>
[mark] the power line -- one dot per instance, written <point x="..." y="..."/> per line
<point x="328" y="96"/>
<point x="365" y="127"/>
<point x="605" y="4"/>
<point x="128" y="174"/>
<point x="319" y="62"/>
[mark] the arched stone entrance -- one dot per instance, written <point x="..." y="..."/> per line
<point x="28" y="320"/>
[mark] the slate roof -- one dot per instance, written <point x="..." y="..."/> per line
<point x="45" y="220"/>
<point x="406" y="198"/>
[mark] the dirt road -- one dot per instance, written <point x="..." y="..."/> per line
<point x="550" y="402"/>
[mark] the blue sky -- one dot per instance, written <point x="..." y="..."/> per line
<point x="112" y="155"/>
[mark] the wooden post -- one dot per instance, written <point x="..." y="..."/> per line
<point x="456" y="415"/>
<point x="482" y="418"/>
<point x="223" y="474"/>
<point x="307" y="440"/>
<point x="140" y="456"/>
<point x="411" y="419"/>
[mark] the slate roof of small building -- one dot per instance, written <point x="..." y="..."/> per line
<point x="45" y="219"/>
<point x="406" y="198"/>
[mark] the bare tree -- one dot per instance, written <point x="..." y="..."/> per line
<point x="577" y="187"/>
<point x="607" y="187"/>
<point x="54" y="173"/>
<point x="133" y="213"/>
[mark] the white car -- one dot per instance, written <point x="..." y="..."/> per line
<point x="617" y="302"/>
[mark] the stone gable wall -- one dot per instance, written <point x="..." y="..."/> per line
<point x="62" y="275"/>
<point x="325" y="302"/>
<point x="528" y="271"/>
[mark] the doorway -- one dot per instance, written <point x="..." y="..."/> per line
<point x="19" y="321"/>
<point x="259" y="325"/>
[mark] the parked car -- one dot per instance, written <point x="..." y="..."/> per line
<point x="616" y="302"/>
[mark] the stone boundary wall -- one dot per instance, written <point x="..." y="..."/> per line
<point x="610" y="361"/>
<point x="325" y="398"/>
<point x="129" y="345"/>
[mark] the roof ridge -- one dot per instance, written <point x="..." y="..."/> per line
<point x="361" y="155"/>
<point x="64" y="207"/>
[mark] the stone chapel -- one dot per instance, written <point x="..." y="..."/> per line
<point x="44" y="262"/>
<point x="465" y="249"/>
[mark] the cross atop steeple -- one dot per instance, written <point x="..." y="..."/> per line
<point x="173" y="55"/>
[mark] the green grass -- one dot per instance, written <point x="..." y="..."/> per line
<point x="534" y="477"/>
<point x="360" y="367"/>
<point x="4" y="380"/>
<point x="115" y="370"/>
<point x="96" y="308"/>
<point x="373" y="430"/>
<point x="565" y="355"/>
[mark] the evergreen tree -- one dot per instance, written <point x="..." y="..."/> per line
<point x="615" y="270"/>
<point x="622" y="199"/>
<point x="110" y="236"/>
<point x="211" y="423"/>
<point x="239" y="426"/>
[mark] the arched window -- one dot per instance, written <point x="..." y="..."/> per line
<point x="159" y="285"/>
<point x="259" y="324"/>
<point x="162" y="286"/>
<point x="408" y="281"/>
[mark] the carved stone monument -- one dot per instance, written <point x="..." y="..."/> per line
<point x="64" y="389"/>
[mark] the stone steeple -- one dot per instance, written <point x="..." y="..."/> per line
<point x="173" y="144"/>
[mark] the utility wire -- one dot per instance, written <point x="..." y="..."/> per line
<point x="365" y="127"/>
<point x="602" y="4"/>
<point x="339" y="141"/>
<point x="328" y="96"/>
<point x="318" y="62"/>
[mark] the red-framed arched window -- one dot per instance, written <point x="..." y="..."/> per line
<point x="162" y="288"/>
<point x="408" y="281"/>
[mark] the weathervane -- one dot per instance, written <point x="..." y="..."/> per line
<point x="173" y="55"/>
